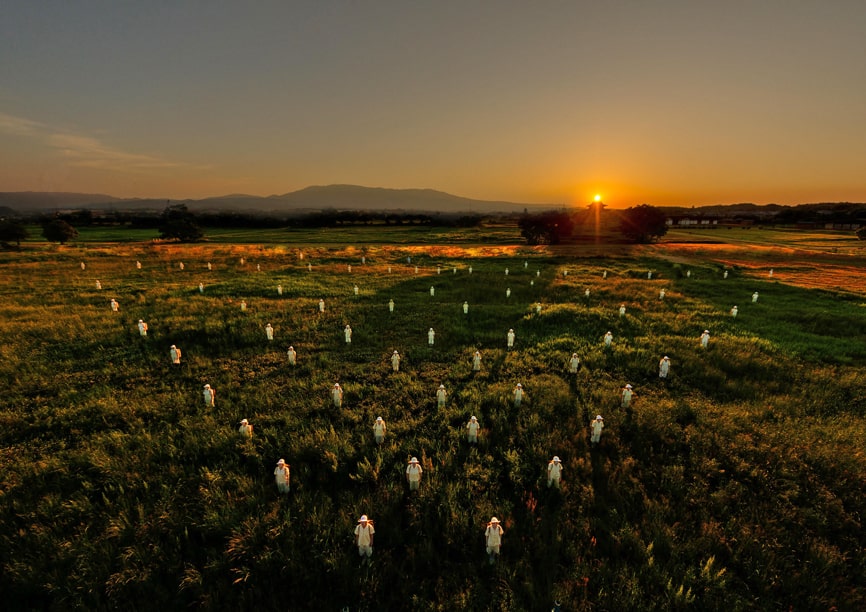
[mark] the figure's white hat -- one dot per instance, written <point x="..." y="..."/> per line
<point x="574" y="354"/>
<point x="628" y="386"/>
<point x="441" y="386"/>
<point x="336" y="384"/>
<point x="472" y="418"/>
<point x="494" y="520"/>
<point x="281" y="462"/>
<point x="598" y="417"/>
<point x="140" y="321"/>
<point x="363" y="518"/>
<point x="519" y="385"/>
<point x="173" y="346"/>
<point x="207" y="386"/>
<point x="244" y="422"/>
<point x="556" y="459"/>
<point x="378" y="418"/>
<point x="413" y="460"/>
<point x="511" y="330"/>
<point x="706" y="331"/>
<point x="666" y="357"/>
<point x="396" y="353"/>
<point x="431" y="329"/>
<point x="291" y="348"/>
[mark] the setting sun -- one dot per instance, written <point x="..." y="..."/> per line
<point x="597" y="197"/>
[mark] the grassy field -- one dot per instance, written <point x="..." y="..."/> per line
<point x="735" y="484"/>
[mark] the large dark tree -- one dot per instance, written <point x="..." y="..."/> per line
<point x="12" y="230"/>
<point x="546" y="228"/>
<point x="643" y="223"/>
<point x="178" y="223"/>
<point x="58" y="230"/>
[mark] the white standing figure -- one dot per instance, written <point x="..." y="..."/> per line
<point x="465" y="307"/>
<point x="493" y="539"/>
<point x="269" y="331"/>
<point x="142" y="328"/>
<point x="454" y="269"/>
<point x="525" y="264"/>
<point x="181" y="266"/>
<point x="355" y="289"/>
<point x="432" y="290"/>
<point x="725" y="274"/>
<point x="391" y="305"/>
<point x="309" y="267"/>
<point x="363" y="259"/>
<point x="664" y="366"/>
<point x="574" y="364"/>
<point x="509" y="338"/>
<point x="608" y="339"/>
<point x="209" y="396"/>
<point x="98" y="285"/>
<point x="470" y="269"/>
<point x="279" y="290"/>
<point x="754" y="297"/>
<point x="243" y="305"/>
<point x="395" y="361"/>
<point x="441" y="395"/>
<point x="379" y="429"/>
<point x="476" y="361"/>
<point x="518" y="395"/>
<point x="115" y="306"/>
<point x="554" y="472"/>
<point x="258" y="267"/>
<point x="175" y="354"/>
<point x="734" y="312"/>
<point x="625" y="396"/>
<point x="347" y="332"/>
<point x="604" y="274"/>
<point x="688" y="273"/>
<point x="364" y="532"/>
<point x="138" y="265"/>
<point x="622" y="310"/>
<point x="649" y="275"/>
<point x="508" y="292"/>
<point x="282" y="476"/>
<point x="337" y="395"/>
<point x="416" y="269"/>
<point x="705" y="338"/>
<point x="243" y="261"/>
<point x="438" y="269"/>
<point x="565" y="272"/>
<point x="389" y="269"/>
<point x="431" y="337"/>
<point x="349" y="268"/>
<point x="586" y="293"/>
<point x="201" y="287"/>
<point x="662" y="294"/>
<point x="770" y="274"/>
<point x="293" y="355"/>
<point x="532" y="283"/>
<point x="506" y="271"/>
<point x="321" y="305"/>
<point x="537" y="307"/>
<point x="83" y="265"/>
<point x="596" y="426"/>
<point x="245" y="430"/>
<point x="472" y="428"/>
<point x="537" y="273"/>
<point x="413" y="474"/>
<point x="209" y="267"/>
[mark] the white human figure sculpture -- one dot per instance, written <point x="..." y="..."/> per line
<point x="269" y="331"/>
<point x="431" y="337"/>
<point x="649" y="275"/>
<point x="608" y="338"/>
<point x="293" y="355"/>
<point x="574" y="364"/>
<point x="98" y="285"/>
<point x="391" y="305"/>
<point x="705" y="338"/>
<point x="321" y="305"/>
<point x="476" y="361"/>
<point x="622" y="310"/>
<point x="395" y="361"/>
<point x="465" y="307"/>
<point x="347" y="332"/>
<point x="279" y="290"/>
<point x="209" y="396"/>
<point x="510" y="338"/>
<point x="734" y="312"/>
<point x="754" y="297"/>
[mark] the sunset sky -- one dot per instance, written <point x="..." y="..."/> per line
<point x="674" y="102"/>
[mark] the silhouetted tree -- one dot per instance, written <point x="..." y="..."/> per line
<point x="643" y="223"/>
<point x="178" y="223"/>
<point x="12" y="230"/>
<point x="546" y="228"/>
<point x="58" y="230"/>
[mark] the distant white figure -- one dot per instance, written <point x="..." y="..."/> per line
<point x="604" y="274"/>
<point x="300" y="255"/>
<point x="525" y="264"/>
<point x="416" y="269"/>
<point x="209" y="395"/>
<point x="142" y="328"/>
<point x="508" y="292"/>
<point x="625" y="396"/>
<point x="395" y="361"/>
<point x="279" y="290"/>
<point x="349" y="268"/>
<point x="476" y="361"/>
<point x="309" y="267"/>
<point x="379" y="429"/>
<point x="532" y="283"/>
<point x="337" y="395"/>
<point x="506" y="271"/>
<point x="537" y="306"/>
<point x="754" y="297"/>
<point x="363" y="259"/>
<point x="465" y="307"/>
<point x="175" y="354"/>
<point x="518" y="395"/>
<point x="537" y="273"/>
<point x="432" y="290"/>
<point x="664" y="366"/>
<point x="243" y="305"/>
<point x="431" y="337"/>
<point x="201" y="287"/>
<point x="355" y="289"/>
<point x="734" y="312"/>
<point x="321" y="305"/>
<point x="408" y="260"/>
<point x="441" y="394"/>
<point x="688" y="273"/>
<point x="114" y="305"/>
<point x="608" y="338"/>
<point x="596" y="426"/>
<point x="493" y="539"/>
<point x="138" y="265"/>
<point x="438" y="269"/>
<point x="282" y="476"/>
<point x="574" y="364"/>
<point x="389" y="269"/>
<point x="413" y="474"/>
<point x="662" y="294"/>
<point x="258" y="267"/>
<point x="510" y="338"/>
<point x="83" y="265"/>
<point x="470" y="269"/>
<point x="209" y="267"/>
<point x="98" y="285"/>
<point x="725" y="274"/>
<point x="705" y="338"/>
<point x="454" y="270"/>
<point x="245" y="430"/>
<point x="243" y="261"/>
<point x="649" y="275"/>
<point x="770" y="274"/>
<point x="472" y="428"/>
<point x="565" y="272"/>
<point x="181" y="266"/>
<point x="364" y="532"/>
<point x="622" y="310"/>
<point x="269" y="331"/>
<point x="554" y="472"/>
<point x="586" y="293"/>
<point x="348" y="334"/>
<point x="391" y="305"/>
<point x="293" y="355"/>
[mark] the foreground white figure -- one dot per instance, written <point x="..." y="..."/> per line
<point x="245" y="430"/>
<point x="508" y="292"/>
<point x="355" y="289"/>
<point x="115" y="306"/>
<point x="364" y="532"/>
<point x="554" y="472"/>
<point x="604" y="274"/>
<point x="574" y="364"/>
<point x="510" y="338"/>
<point x="347" y="333"/>
<point x="321" y="305"/>
<point x="282" y="476"/>
<point x="243" y="305"/>
<point x="431" y="337"/>
<point x="625" y="396"/>
<point x="734" y="312"/>
<point x="493" y="539"/>
<point x="465" y="307"/>
<point x="209" y="266"/>
<point x="279" y="290"/>
<point x="705" y="338"/>
<point x="337" y="395"/>
<point x="596" y="426"/>
<point x="664" y="367"/>
<point x="432" y="291"/>
<point x="662" y="294"/>
<point x="586" y="293"/>
<point x="413" y="474"/>
<point x="269" y="331"/>
<point x="293" y="356"/>
<point x="688" y="273"/>
<point x="754" y="297"/>
<point x="395" y="361"/>
<point x="725" y="274"/>
<point x="201" y="287"/>
<point x="441" y="395"/>
<point x="390" y="305"/>
<point x="379" y="429"/>
<point x="518" y="395"/>
<point x="622" y="310"/>
<point x="175" y="354"/>
<point x="98" y="285"/>
<point x="476" y="362"/>
<point x="142" y="328"/>
<point x="209" y="395"/>
<point x="472" y="428"/>
<point x="608" y="339"/>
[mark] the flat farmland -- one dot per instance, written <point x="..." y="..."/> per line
<point x="734" y="483"/>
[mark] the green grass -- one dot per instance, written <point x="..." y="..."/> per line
<point x="735" y="484"/>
